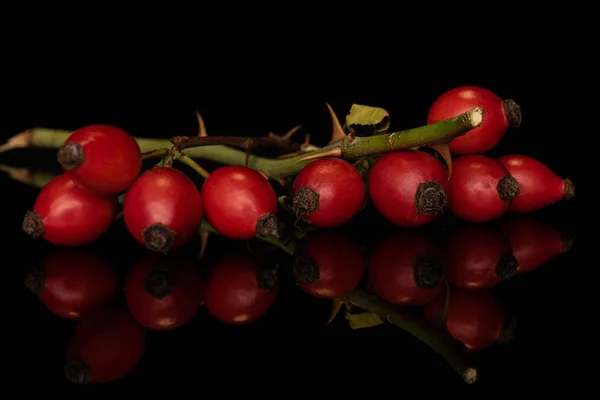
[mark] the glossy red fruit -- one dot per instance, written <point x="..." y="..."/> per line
<point x="164" y="293"/>
<point x="540" y="186"/>
<point x="409" y="187"/>
<point x="328" y="192"/>
<point x="328" y="264"/>
<point x="405" y="268"/>
<point x="103" y="158"/>
<point x="478" y="256"/>
<point x="499" y="115"/>
<point x="534" y="243"/>
<point x="67" y="215"/>
<point x="240" y="203"/>
<point x="238" y="291"/>
<point x="474" y="317"/>
<point x="71" y="283"/>
<point x="163" y="209"/>
<point x="107" y="344"/>
<point x="481" y="189"/>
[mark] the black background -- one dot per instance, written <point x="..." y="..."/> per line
<point x="240" y="98"/>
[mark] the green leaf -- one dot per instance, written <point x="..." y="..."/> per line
<point x="363" y="320"/>
<point x="367" y="116"/>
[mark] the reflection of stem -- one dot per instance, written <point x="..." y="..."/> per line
<point x="443" y="344"/>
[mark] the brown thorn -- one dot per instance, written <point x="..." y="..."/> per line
<point x="19" y="141"/>
<point x="335" y="309"/>
<point x="291" y="132"/>
<point x="307" y="139"/>
<point x="335" y="152"/>
<point x="201" y="126"/>
<point x="444" y="151"/>
<point x="204" y="235"/>
<point x="248" y="146"/>
<point x="338" y="132"/>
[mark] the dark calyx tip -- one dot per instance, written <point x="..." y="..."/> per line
<point x="70" y="155"/>
<point x="158" y="283"/>
<point x="567" y="240"/>
<point x="35" y="280"/>
<point x="305" y="201"/>
<point x="267" y="226"/>
<point x="430" y="198"/>
<point x="76" y="371"/>
<point x="507" y="266"/>
<point x="304" y="268"/>
<point x="266" y="276"/>
<point x="513" y="112"/>
<point x="32" y="225"/>
<point x="429" y="272"/>
<point x="569" y="191"/>
<point x="158" y="237"/>
<point x="508" y="188"/>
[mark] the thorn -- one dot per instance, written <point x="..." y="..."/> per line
<point x="335" y="152"/>
<point x="201" y="126"/>
<point x="307" y="139"/>
<point x="338" y="131"/>
<point x="291" y="132"/>
<point x="336" y="306"/>
<point x="203" y="243"/>
<point x="444" y="151"/>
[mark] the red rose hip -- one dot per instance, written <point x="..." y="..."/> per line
<point x="164" y="293"/>
<point x="405" y="268"/>
<point x="102" y="158"/>
<point x="328" y="192"/>
<point x="540" y="186"/>
<point x="408" y="187"/>
<point x="240" y="203"/>
<point x="163" y="209"/>
<point x="65" y="214"/>
<point x="499" y="116"/>
<point x="481" y="189"/>
<point x="71" y="283"/>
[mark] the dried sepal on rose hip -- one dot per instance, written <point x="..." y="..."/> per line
<point x="104" y="159"/>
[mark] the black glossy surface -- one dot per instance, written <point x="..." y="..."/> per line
<point x="292" y="343"/>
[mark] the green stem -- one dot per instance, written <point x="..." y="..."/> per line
<point x="442" y="343"/>
<point x="187" y="160"/>
<point x="427" y="135"/>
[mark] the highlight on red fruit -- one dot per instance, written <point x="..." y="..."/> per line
<point x="540" y="186"/>
<point x="239" y="290"/>
<point x="328" y="192"/>
<point x="65" y="214"/>
<point x="408" y="188"/>
<point x="107" y="344"/>
<point x="499" y="116"/>
<point x="163" y="209"/>
<point x="164" y="293"/>
<point x="474" y="317"/>
<point x="478" y="256"/>
<point x="533" y="242"/>
<point x="405" y="268"/>
<point x="481" y="189"/>
<point x="240" y="203"/>
<point x="72" y="282"/>
<point x="102" y="158"/>
<point x="328" y="264"/>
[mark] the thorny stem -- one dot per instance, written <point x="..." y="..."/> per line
<point x="351" y="147"/>
<point x="442" y="343"/>
<point x="156" y="153"/>
<point x="184" y="142"/>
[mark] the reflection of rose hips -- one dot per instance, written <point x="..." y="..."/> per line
<point x="405" y="268"/>
<point x="240" y="203"/>
<point x="408" y="187"/>
<point x="107" y="344"/>
<point x="328" y="192"/>
<point x="72" y="283"/>
<point x="475" y="317"/>
<point x="481" y="189"/>
<point x="534" y="243"/>
<point x="327" y="264"/>
<point x="102" y="158"/>
<point x="163" y="209"/>
<point x="238" y="291"/>
<point x="164" y="292"/>
<point x="540" y="186"/>
<point x="65" y="214"/>
<point x="478" y="256"/>
<point x="499" y="115"/>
